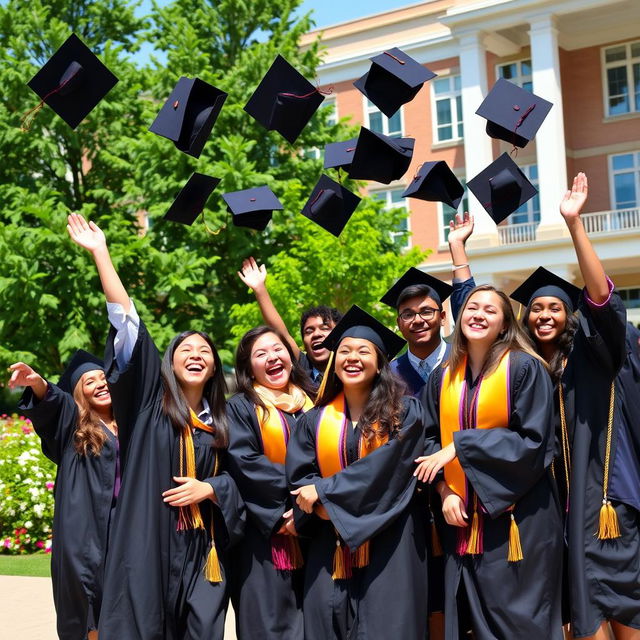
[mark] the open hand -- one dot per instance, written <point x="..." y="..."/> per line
<point x="189" y="492"/>
<point x="86" y="235"/>
<point x="22" y="375"/>
<point x="460" y="228"/>
<point x="251" y="274"/>
<point x="428" y="466"/>
<point x="306" y="497"/>
<point x="574" y="200"/>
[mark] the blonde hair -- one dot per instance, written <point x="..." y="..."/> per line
<point x="90" y="436"/>
<point x="513" y="337"/>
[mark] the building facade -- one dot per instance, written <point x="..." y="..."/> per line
<point x="581" y="55"/>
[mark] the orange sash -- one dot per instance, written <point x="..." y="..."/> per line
<point x="490" y="407"/>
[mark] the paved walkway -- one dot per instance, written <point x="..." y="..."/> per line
<point x="26" y="610"/>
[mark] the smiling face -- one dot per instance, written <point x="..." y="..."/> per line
<point x="420" y="331"/>
<point x="314" y="332"/>
<point x="94" y="389"/>
<point x="270" y="362"/>
<point x="193" y="362"/>
<point x="547" y="319"/>
<point x="482" y="319"/>
<point x="356" y="362"/>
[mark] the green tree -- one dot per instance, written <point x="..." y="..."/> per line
<point x="111" y="169"/>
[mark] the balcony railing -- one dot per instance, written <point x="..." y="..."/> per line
<point x="594" y="223"/>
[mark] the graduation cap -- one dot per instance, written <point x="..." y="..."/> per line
<point x="357" y="323"/>
<point x="501" y="188"/>
<point x="188" y="115"/>
<point x="339" y="155"/>
<point x="545" y="283"/>
<point x="252" y="207"/>
<point x="81" y="362"/>
<point x="513" y="114"/>
<point x="330" y="205"/>
<point x="434" y="181"/>
<point x="439" y="291"/>
<point x="393" y="79"/>
<point x="284" y="101"/>
<point x="190" y="202"/>
<point x="72" y="83"/>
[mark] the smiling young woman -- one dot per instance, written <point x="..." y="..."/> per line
<point x="178" y="510"/>
<point x="273" y="392"/>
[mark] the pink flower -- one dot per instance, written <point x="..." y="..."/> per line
<point x="7" y="542"/>
<point x="40" y="544"/>
<point x="49" y="485"/>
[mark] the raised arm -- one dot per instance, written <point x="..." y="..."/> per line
<point x="591" y="268"/>
<point x="255" y="277"/>
<point x="22" y="375"/>
<point x="90" y="237"/>
<point x="460" y="229"/>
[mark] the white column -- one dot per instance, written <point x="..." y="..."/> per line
<point x="550" y="143"/>
<point x="477" y="144"/>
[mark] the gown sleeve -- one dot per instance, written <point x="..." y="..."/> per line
<point x="503" y="464"/>
<point x="367" y="496"/>
<point x="461" y="289"/>
<point x="54" y="419"/>
<point x="262" y="483"/>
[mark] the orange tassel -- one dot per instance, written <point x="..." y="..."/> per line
<point x="608" y="528"/>
<point x="474" y="545"/>
<point x="515" y="548"/>
<point x="341" y="562"/>
<point x="295" y="553"/>
<point x="362" y="556"/>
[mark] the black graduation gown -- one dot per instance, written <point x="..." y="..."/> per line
<point x="267" y="602"/>
<point x="83" y="508"/>
<point x="371" y="499"/>
<point x="502" y="600"/>
<point x="603" y="575"/>
<point x="155" y="588"/>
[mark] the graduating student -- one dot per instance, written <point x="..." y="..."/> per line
<point x="273" y="393"/>
<point x="75" y="423"/>
<point x="315" y="323"/>
<point x="178" y="509"/>
<point x="350" y="464"/>
<point x="489" y="425"/>
<point x="418" y="298"/>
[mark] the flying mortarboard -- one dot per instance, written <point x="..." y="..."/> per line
<point x="188" y="115"/>
<point x="440" y="290"/>
<point x="81" y="362"/>
<point x="501" y="188"/>
<point x="434" y="181"/>
<point x="284" y="101"/>
<point x="513" y="114"/>
<point x="545" y="283"/>
<point x="252" y="207"/>
<point x="357" y="323"/>
<point x="393" y="80"/>
<point x="72" y="83"/>
<point x="330" y="205"/>
<point x="339" y="155"/>
<point x="190" y="202"/>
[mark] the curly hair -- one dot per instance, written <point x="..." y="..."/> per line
<point x="90" y="436"/>
<point x="329" y="315"/>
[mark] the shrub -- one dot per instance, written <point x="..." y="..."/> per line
<point x="26" y="488"/>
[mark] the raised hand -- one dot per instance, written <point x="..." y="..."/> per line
<point x="22" y="375"/>
<point x="460" y="228"/>
<point x="86" y="235"/>
<point x="574" y="200"/>
<point x="252" y="275"/>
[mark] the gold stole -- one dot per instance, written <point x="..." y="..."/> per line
<point x="489" y="408"/>
<point x="190" y="517"/>
<point x="331" y="455"/>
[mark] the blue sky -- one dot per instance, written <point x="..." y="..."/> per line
<point x="328" y="12"/>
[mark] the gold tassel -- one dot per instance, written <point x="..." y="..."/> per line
<point x="608" y="528"/>
<point x="436" y="546"/>
<point x="189" y="517"/>
<point x="212" y="570"/>
<point x="341" y="564"/>
<point x="362" y="556"/>
<point x="515" y="548"/>
<point x="295" y="553"/>
<point x="473" y="545"/>
<point x="325" y="376"/>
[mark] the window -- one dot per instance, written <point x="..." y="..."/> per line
<point x="622" y="78"/>
<point x="447" y="213"/>
<point x="625" y="180"/>
<point x="530" y="210"/>
<point x="447" y="103"/>
<point x="331" y="108"/>
<point x="378" y="122"/>
<point x="393" y="199"/>
<point x="518" y="72"/>
<point x="630" y="297"/>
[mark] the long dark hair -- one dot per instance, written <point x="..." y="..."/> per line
<point x="564" y="344"/>
<point x="244" y="373"/>
<point x="174" y="404"/>
<point x="384" y="404"/>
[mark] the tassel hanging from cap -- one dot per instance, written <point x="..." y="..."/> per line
<point x="608" y="527"/>
<point x="515" y="548"/>
<point x="341" y="561"/>
<point x="325" y="376"/>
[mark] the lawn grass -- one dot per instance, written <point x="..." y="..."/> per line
<point x="36" y="564"/>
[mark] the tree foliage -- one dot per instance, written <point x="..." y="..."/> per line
<point x="111" y="169"/>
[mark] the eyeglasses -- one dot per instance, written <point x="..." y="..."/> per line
<point x="426" y="314"/>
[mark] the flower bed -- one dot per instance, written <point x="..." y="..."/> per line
<point x="26" y="489"/>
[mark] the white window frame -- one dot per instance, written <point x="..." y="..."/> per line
<point x="388" y="205"/>
<point x="628" y="64"/>
<point x="519" y="79"/>
<point x="613" y="173"/>
<point x="452" y="94"/>
<point x="526" y="169"/>
<point x="442" y="241"/>
<point x="369" y="109"/>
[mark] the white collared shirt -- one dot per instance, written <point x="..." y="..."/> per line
<point x="430" y="362"/>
